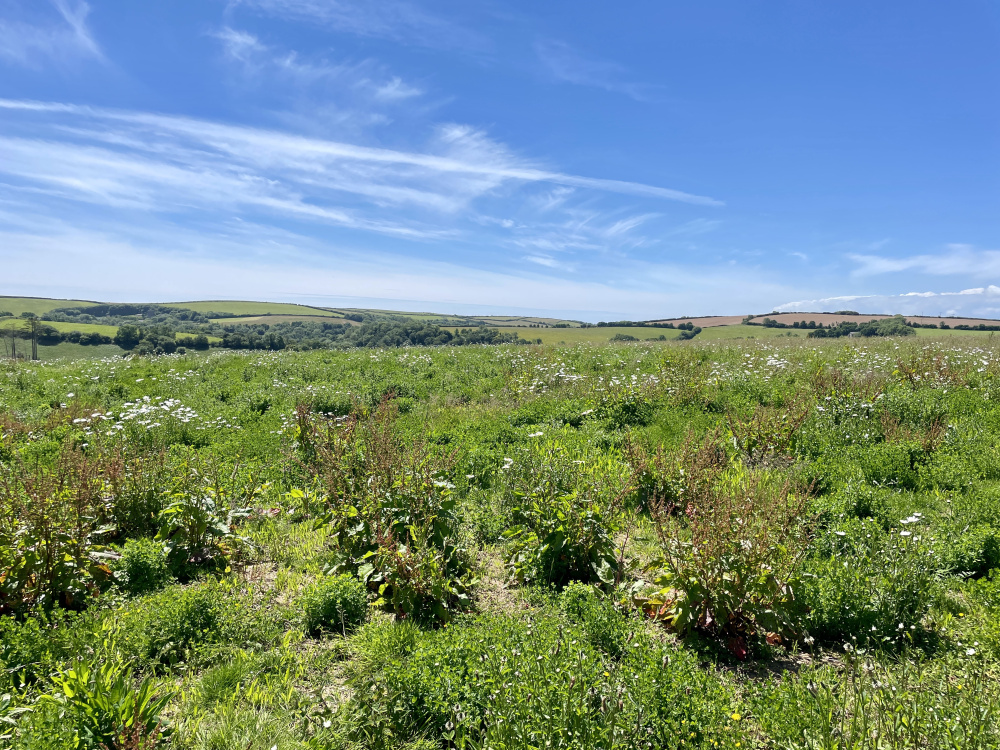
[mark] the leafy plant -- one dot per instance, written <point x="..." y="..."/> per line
<point x="196" y="533"/>
<point x="51" y="521"/>
<point x="731" y="555"/>
<point x="567" y="511"/>
<point x="108" y="709"/>
<point x="142" y="567"/>
<point x="8" y="715"/>
<point x="337" y="603"/>
<point x="768" y="433"/>
<point x="391" y="512"/>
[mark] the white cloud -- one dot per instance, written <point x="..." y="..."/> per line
<point x="260" y="262"/>
<point x="147" y="160"/>
<point x="360" y="85"/>
<point x="543" y="260"/>
<point x="60" y="40"/>
<point x="979" y="302"/>
<point x="957" y="260"/>
<point x="397" y="20"/>
<point x="566" y="65"/>
<point x="395" y="90"/>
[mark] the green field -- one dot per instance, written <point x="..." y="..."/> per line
<point x="600" y="335"/>
<point x="253" y="308"/>
<point x="70" y="351"/>
<point x="782" y="543"/>
<point x="279" y="318"/>
<point x="81" y="327"/>
<point x="37" y="305"/>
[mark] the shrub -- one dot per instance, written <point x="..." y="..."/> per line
<point x="871" y="587"/>
<point x="391" y="511"/>
<point x="731" y="550"/>
<point x="566" y="517"/>
<point x="142" y="567"/>
<point x="334" y="603"/>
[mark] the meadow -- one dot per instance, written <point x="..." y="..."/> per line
<point x="774" y="542"/>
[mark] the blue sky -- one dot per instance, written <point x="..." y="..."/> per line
<point x="590" y="160"/>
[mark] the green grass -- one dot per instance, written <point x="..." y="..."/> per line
<point x="458" y="320"/>
<point x="518" y="466"/>
<point x="37" y="305"/>
<point x="279" y="318"/>
<point x="596" y="335"/>
<point x="83" y="327"/>
<point x="252" y="308"/>
<point x="68" y="351"/>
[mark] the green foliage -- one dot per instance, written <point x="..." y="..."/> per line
<point x="8" y="716"/>
<point x="871" y="587"/>
<point x="334" y="603"/>
<point x="49" y="553"/>
<point x="731" y="546"/>
<point x="506" y="682"/>
<point x="406" y="466"/>
<point x="606" y="626"/>
<point x="391" y="512"/>
<point x="142" y="567"/>
<point x="190" y="623"/>
<point x="108" y="709"/>
<point x="567" y="511"/>
<point x="195" y="533"/>
<point x="896" y="704"/>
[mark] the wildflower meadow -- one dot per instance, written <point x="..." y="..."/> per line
<point x="781" y="543"/>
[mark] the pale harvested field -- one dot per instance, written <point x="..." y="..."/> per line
<point x="828" y="318"/>
<point x="707" y="321"/>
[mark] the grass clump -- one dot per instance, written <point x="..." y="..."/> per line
<point x="142" y="567"/>
<point x="337" y="604"/>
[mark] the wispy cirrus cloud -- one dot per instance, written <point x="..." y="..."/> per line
<point x="134" y="182"/>
<point x="257" y="59"/>
<point x="313" y="93"/>
<point x="460" y="163"/>
<point x="396" y="20"/>
<point x="956" y="260"/>
<point x="61" y="36"/>
<point x="564" y="64"/>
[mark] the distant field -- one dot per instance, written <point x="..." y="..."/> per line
<point x="254" y="308"/>
<point x="707" y="321"/>
<point x="832" y="318"/>
<point x="458" y="320"/>
<point x="37" y="305"/>
<point x="81" y="327"/>
<point x="598" y="335"/>
<point x="65" y="350"/>
<point x="273" y="319"/>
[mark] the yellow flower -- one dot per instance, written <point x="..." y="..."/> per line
<point x="607" y="674"/>
<point x="735" y="717"/>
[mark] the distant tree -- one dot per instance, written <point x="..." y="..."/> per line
<point x="128" y="337"/>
